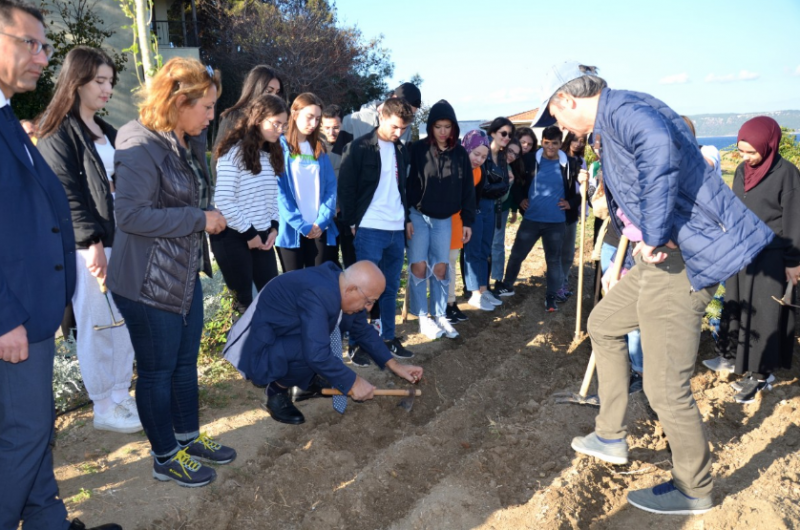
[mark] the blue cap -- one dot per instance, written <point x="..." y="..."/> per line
<point x="557" y="76"/>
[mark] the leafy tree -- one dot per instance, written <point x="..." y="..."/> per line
<point x="789" y="147"/>
<point x="82" y="26"/>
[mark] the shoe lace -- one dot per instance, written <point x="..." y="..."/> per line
<point x="664" y="488"/>
<point x="186" y="462"/>
<point x="208" y="442"/>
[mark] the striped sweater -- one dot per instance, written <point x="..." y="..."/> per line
<point x="249" y="202"/>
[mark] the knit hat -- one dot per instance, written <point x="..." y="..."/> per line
<point x="410" y="93"/>
<point x="474" y="139"/>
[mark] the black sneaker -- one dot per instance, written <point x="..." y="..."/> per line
<point x="205" y="449"/>
<point x="78" y="525"/>
<point x="750" y="388"/>
<point x="737" y="385"/>
<point x="184" y="470"/>
<point x="397" y="349"/>
<point x="501" y="289"/>
<point x="459" y="314"/>
<point x="360" y="357"/>
<point x="550" y="304"/>
<point x="450" y="313"/>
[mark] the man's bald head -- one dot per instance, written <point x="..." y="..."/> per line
<point x="361" y="285"/>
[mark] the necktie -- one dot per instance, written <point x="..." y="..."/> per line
<point x="339" y="402"/>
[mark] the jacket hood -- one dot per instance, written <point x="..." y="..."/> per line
<point x="562" y="157"/>
<point x="442" y="110"/>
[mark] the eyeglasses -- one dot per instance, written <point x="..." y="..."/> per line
<point x="280" y="127"/>
<point x="369" y="302"/>
<point x="34" y="46"/>
<point x="511" y="156"/>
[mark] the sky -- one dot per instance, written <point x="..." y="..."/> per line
<point x="487" y="57"/>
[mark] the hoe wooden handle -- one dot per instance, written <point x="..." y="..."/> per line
<point x="378" y="392"/>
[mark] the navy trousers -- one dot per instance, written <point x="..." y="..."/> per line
<point x="28" y="489"/>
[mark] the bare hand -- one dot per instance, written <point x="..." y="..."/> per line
<point x="255" y="243"/>
<point x="14" y="345"/>
<point x="608" y="280"/>
<point x="466" y="235"/>
<point x="647" y="252"/>
<point x="362" y="390"/>
<point x="315" y="232"/>
<point x="409" y="230"/>
<point x="583" y="176"/>
<point x="523" y="204"/>
<point x="564" y="205"/>
<point x="215" y="221"/>
<point x="272" y="235"/>
<point x="793" y="274"/>
<point x="96" y="260"/>
<point x="409" y="372"/>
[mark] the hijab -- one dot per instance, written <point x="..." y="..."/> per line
<point x="474" y="139"/>
<point x="764" y="134"/>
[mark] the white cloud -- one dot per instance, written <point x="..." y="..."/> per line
<point x="797" y="71"/>
<point x="743" y="75"/>
<point x="676" y="79"/>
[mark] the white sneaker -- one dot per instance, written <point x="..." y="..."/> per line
<point x="449" y="331"/>
<point x="489" y="297"/>
<point x="118" y="419"/>
<point x="429" y="328"/>
<point x="477" y="300"/>
<point x="719" y="364"/>
<point x="130" y="406"/>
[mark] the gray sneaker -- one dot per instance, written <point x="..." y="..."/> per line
<point x="667" y="499"/>
<point x="613" y="453"/>
<point x="739" y="385"/>
<point x="719" y="364"/>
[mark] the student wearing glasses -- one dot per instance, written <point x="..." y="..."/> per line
<point x="250" y="158"/>
<point x="506" y="203"/>
<point x="307" y="191"/>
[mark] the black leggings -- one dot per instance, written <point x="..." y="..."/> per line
<point x="310" y="253"/>
<point x="242" y="266"/>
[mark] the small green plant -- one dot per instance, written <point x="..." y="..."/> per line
<point x="89" y="469"/>
<point x="81" y="496"/>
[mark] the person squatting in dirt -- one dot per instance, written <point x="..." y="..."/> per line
<point x="696" y="233"/>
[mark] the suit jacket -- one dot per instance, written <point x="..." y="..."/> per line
<point x="302" y="307"/>
<point x="37" y="244"/>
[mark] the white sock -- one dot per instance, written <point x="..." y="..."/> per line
<point x="120" y="395"/>
<point x="103" y="406"/>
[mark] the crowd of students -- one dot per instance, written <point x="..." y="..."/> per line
<point x="319" y="187"/>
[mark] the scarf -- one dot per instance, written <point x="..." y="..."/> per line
<point x="764" y="134"/>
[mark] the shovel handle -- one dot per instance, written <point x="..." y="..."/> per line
<point x="378" y="392"/>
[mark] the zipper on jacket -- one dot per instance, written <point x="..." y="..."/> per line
<point x="712" y="215"/>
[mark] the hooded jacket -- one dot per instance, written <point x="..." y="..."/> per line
<point x="440" y="182"/>
<point x="160" y="227"/>
<point x="655" y="173"/>
<point x="569" y="174"/>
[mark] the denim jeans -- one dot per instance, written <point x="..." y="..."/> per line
<point x="386" y="249"/>
<point x="479" y="247"/>
<point x="430" y="244"/>
<point x="568" y="250"/>
<point x="634" y="338"/>
<point x="499" y="248"/>
<point x="528" y="234"/>
<point x="166" y="346"/>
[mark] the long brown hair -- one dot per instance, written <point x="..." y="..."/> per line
<point x="306" y="99"/>
<point x="254" y="85"/>
<point x="79" y="68"/>
<point x="246" y="131"/>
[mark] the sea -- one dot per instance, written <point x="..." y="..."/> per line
<point x="724" y="143"/>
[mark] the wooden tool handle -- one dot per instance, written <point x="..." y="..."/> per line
<point x="378" y="392"/>
<point x="622" y="251"/>
<point x="102" y="283"/>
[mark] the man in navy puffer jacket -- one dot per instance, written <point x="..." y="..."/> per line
<point x="696" y="233"/>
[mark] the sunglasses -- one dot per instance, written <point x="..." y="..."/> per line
<point x="504" y="133"/>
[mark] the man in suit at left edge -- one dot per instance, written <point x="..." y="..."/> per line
<point x="37" y="279"/>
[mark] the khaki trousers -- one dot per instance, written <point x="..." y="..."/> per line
<point x="658" y="300"/>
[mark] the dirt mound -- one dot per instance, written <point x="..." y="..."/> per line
<point x="485" y="447"/>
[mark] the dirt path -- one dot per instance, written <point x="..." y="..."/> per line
<point x="485" y="447"/>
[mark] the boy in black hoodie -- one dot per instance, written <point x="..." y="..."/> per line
<point x="439" y="186"/>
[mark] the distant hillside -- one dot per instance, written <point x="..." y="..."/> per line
<point x="729" y="124"/>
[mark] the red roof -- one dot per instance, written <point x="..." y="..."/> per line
<point x="526" y="116"/>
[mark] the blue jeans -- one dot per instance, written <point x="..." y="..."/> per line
<point x="386" y="249"/>
<point x="634" y="338"/>
<point x="166" y="346"/>
<point x="479" y="247"/>
<point x="430" y="244"/>
<point x="568" y="250"/>
<point x="499" y="248"/>
<point x="528" y="234"/>
<point x="28" y="489"/>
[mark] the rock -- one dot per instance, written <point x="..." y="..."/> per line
<point x="548" y="466"/>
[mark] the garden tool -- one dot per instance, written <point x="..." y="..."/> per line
<point x="406" y="403"/>
<point x="787" y="297"/>
<point x="114" y="322"/>
<point x="581" y="398"/>
<point x="580" y="262"/>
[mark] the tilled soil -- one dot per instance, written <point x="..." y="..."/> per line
<point x="484" y="447"/>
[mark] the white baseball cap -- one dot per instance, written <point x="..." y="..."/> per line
<point x="557" y="76"/>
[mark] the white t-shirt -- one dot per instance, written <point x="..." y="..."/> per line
<point x="712" y="153"/>
<point x="106" y="152"/>
<point x="305" y="175"/>
<point x="385" y="212"/>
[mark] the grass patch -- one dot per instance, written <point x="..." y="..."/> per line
<point x="81" y="496"/>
